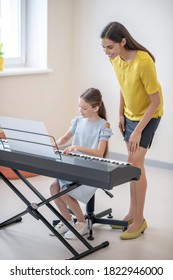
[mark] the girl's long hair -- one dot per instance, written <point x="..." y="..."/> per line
<point x="94" y="98"/>
<point x="115" y="32"/>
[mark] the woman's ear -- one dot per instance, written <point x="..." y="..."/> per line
<point x="123" y="42"/>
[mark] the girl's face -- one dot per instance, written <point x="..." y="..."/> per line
<point x="111" y="48"/>
<point x="86" y="110"/>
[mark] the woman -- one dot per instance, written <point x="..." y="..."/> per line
<point x="140" y="110"/>
<point x="90" y="133"/>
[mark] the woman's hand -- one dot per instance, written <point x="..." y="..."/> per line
<point x="121" y="125"/>
<point x="134" y="140"/>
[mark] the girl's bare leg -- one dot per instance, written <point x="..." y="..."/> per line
<point x="54" y="189"/>
<point x="75" y="207"/>
<point x="66" y="201"/>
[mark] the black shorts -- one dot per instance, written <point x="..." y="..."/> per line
<point x="147" y="133"/>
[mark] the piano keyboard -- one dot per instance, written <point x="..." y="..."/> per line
<point x="79" y="168"/>
<point x="93" y="158"/>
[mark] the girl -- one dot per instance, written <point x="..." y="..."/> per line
<point x="90" y="134"/>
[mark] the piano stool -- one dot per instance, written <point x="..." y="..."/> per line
<point x="97" y="218"/>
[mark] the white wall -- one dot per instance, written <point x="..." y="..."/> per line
<point x="78" y="62"/>
<point x="45" y="97"/>
<point x="150" y="22"/>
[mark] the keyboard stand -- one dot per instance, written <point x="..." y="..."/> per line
<point x="32" y="209"/>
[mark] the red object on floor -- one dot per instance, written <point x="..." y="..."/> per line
<point x="7" y="172"/>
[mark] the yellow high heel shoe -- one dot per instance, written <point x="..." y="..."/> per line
<point x="122" y="227"/>
<point x="131" y="235"/>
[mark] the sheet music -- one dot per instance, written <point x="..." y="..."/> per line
<point x="28" y="141"/>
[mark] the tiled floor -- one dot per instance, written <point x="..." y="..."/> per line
<point x="30" y="238"/>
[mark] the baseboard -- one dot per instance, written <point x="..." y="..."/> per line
<point x="149" y="162"/>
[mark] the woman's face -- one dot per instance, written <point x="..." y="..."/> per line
<point x="111" y="48"/>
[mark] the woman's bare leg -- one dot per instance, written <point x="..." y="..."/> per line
<point x="130" y="215"/>
<point x="137" y="191"/>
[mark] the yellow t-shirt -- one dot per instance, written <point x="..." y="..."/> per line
<point x="137" y="79"/>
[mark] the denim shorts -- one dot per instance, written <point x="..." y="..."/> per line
<point x="147" y="133"/>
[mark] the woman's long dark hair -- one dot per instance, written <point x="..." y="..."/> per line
<point x="94" y="98"/>
<point x="115" y="32"/>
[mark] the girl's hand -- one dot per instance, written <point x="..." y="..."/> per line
<point x="55" y="146"/>
<point x="70" y="149"/>
<point x="134" y="140"/>
<point x="121" y="125"/>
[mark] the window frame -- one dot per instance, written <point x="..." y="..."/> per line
<point x="36" y="47"/>
<point x="21" y="59"/>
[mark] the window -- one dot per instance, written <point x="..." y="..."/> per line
<point x="23" y="32"/>
<point x="12" y="31"/>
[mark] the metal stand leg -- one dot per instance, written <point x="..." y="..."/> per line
<point x="32" y="209"/>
